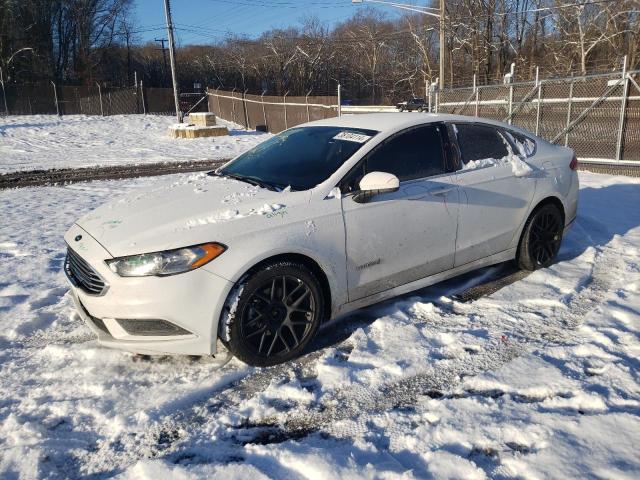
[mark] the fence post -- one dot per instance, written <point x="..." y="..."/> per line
<point x="137" y="95"/>
<point x="264" y="113"/>
<point x="4" y="94"/>
<point x="566" y="135"/>
<point x="339" y="100"/>
<point x="511" y="77"/>
<point x="100" y="95"/>
<point x="244" y="107"/>
<point x="233" y="104"/>
<point x="539" y="107"/>
<point x="429" y="95"/>
<point x="477" y="90"/>
<point x="218" y="97"/>
<point x="285" y="110"/>
<point x="144" y="107"/>
<point x="623" y="107"/>
<point x="426" y="89"/>
<point x="510" y="103"/>
<point x="79" y="100"/>
<point x="436" y="91"/>
<point x="306" y="101"/>
<point x="55" y="96"/>
<point x="110" y="109"/>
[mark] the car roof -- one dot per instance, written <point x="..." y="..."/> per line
<point x="391" y="122"/>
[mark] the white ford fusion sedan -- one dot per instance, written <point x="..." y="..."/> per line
<point x="322" y="219"/>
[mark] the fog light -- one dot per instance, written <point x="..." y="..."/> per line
<point x="151" y="328"/>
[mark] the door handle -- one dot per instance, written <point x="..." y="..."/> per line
<point x="440" y="191"/>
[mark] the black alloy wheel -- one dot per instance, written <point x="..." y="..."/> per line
<point x="278" y="314"/>
<point x="541" y="238"/>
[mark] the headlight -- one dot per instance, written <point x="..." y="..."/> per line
<point x="165" y="263"/>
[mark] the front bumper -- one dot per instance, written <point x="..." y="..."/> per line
<point x="191" y="302"/>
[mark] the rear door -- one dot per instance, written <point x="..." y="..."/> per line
<point x="493" y="201"/>
<point x="398" y="237"/>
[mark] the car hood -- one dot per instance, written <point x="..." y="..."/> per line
<point x="195" y="209"/>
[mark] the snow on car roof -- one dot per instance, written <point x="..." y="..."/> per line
<point x="396" y="121"/>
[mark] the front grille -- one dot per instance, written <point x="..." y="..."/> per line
<point x="83" y="275"/>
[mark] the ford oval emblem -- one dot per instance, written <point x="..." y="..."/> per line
<point x="78" y="238"/>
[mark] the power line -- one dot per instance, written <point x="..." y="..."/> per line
<point x="284" y="4"/>
<point x="296" y="5"/>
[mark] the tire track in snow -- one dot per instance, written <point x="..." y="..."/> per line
<point x="435" y="382"/>
<point x="164" y="436"/>
<point x="66" y="176"/>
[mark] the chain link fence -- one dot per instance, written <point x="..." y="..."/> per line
<point x="598" y="115"/>
<point x="272" y="113"/>
<point x="66" y="100"/>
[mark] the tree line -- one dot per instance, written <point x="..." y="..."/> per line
<point x="376" y="59"/>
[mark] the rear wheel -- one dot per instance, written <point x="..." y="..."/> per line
<point x="278" y="313"/>
<point x="541" y="238"/>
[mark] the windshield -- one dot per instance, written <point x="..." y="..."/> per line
<point x="299" y="158"/>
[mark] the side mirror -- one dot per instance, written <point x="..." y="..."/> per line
<point x="376" y="182"/>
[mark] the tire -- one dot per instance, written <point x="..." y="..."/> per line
<point x="270" y="324"/>
<point x="541" y="238"/>
<point x="401" y="109"/>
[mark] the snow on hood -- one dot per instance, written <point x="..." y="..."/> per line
<point x="177" y="213"/>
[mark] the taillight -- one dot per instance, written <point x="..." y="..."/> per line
<point x="574" y="163"/>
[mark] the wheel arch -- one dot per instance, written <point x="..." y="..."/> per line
<point x="548" y="200"/>
<point x="308" y="262"/>
<point x="553" y="200"/>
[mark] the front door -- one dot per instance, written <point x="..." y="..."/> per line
<point x="397" y="237"/>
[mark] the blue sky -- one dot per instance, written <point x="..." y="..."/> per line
<point x="205" y="21"/>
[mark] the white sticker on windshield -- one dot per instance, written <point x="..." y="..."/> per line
<point x="352" y="137"/>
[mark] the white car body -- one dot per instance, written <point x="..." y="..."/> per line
<point x="428" y="230"/>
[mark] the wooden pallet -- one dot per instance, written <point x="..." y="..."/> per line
<point x="195" y="131"/>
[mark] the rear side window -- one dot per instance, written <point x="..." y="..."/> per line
<point x="479" y="142"/>
<point x="416" y="153"/>
<point x="523" y="145"/>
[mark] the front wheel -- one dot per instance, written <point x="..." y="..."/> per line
<point x="277" y="314"/>
<point x="541" y="238"/>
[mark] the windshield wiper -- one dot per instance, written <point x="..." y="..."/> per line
<point x="250" y="180"/>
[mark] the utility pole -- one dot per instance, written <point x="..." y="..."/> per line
<point x="164" y="57"/>
<point x="172" y="58"/>
<point x="442" y="46"/>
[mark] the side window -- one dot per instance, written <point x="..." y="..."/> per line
<point x="479" y="142"/>
<point x="416" y="153"/>
<point x="523" y="145"/>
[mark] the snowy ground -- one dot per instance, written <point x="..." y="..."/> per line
<point x="538" y="380"/>
<point x="31" y="142"/>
